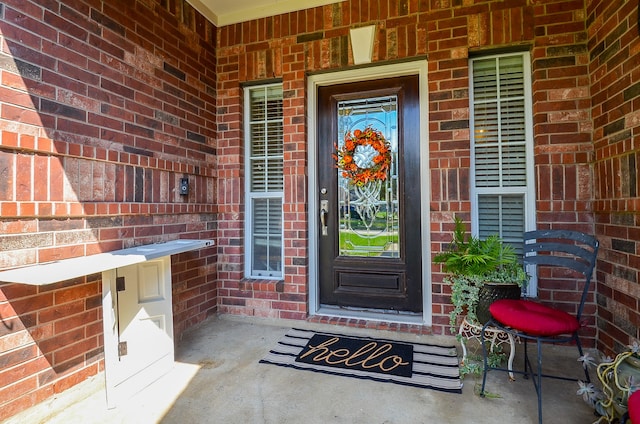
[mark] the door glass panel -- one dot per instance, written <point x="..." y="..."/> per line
<point x="368" y="209"/>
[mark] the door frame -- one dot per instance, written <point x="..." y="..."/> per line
<point x="416" y="67"/>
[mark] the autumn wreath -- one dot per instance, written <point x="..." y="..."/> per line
<point x="364" y="157"/>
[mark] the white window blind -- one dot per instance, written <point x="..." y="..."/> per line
<point x="499" y="122"/>
<point x="265" y="181"/>
<point x="502" y="147"/>
<point x="502" y="214"/>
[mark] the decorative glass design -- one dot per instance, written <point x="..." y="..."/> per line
<point x="368" y="211"/>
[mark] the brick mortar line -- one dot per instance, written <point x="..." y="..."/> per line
<point x="54" y="154"/>
<point x="144" y="209"/>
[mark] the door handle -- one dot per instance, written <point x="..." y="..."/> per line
<point x="324" y="216"/>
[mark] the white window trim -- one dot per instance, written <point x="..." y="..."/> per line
<point x="529" y="191"/>
<point x="250" y="196"/>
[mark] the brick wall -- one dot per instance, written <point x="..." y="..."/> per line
<point x="104" y="106"/>
<point x="563" y="138"/>
<point x="287" y="46"/>
<point x="50" y="339"/>
<point x="614" y="47"/>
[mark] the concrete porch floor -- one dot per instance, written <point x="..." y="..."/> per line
<point x="217" y="379"/>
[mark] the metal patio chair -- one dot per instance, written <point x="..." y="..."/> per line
<point x="574" y="251"/>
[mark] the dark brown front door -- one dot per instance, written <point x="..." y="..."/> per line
<point x="370" y="252"/>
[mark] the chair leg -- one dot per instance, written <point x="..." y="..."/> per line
<point x="527" y="365"/>
<point x="625" y="418"/>
<point x="484" y="360"/>
<point x="586" y="367"/>
<point x="539" y="381"/>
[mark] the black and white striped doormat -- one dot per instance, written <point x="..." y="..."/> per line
<point x="423" y="365"/>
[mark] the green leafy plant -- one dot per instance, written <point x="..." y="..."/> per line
<point x="473" y="363"/>
<point x="472" y="262"/>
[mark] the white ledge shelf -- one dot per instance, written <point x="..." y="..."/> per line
<point x="66" y="269"/>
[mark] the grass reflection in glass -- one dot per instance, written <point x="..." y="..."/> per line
<point x="352" y="244"/>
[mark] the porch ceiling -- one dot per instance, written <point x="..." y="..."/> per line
<point x="226" y="12"/>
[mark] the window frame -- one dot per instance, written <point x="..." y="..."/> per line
<point x="250" y="196"/>
<point x="529" y="190"/>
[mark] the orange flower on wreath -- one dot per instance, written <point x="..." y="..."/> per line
<point x="364" y="157"/>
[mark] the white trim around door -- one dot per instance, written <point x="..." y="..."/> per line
<point x="417" y="67"/>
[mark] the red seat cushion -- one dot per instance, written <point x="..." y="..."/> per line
<point x="634" y="408"/>
<point x="533" y="318"/>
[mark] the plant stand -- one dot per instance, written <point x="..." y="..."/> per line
<point x="616" y="378"/>
<point x="497" y="337"/>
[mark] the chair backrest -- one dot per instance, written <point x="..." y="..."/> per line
<point x="563" y="248"/>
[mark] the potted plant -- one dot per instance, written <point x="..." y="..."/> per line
<point x="619" y="378"/>
<point x="480" y="271"/>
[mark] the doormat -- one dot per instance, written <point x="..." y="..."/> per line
<point x="411" y="364"/>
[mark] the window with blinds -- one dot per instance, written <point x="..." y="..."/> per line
<point x="265" y="181"/>
<point x="502" y="147"/>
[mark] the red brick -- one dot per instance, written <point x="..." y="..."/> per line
<point x="23" y="177"/>
<point x="76" y="292"/>
<point x="41" y="178"/>
<point x="16" y="98"/>
<point x="61" y="311"/>
<point x="18" y="389"/>
<point x="32" y="303"/>
<point x="24" y="370"/>
<point x="74" y="353"/>
<point x="71" y="380"/>
<point x="69" y="323"/>
<point x="57" y="253"/>
<point x="17" y="356"/>
<point x="60" y="340"/>
<point x="21" y="403"/>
